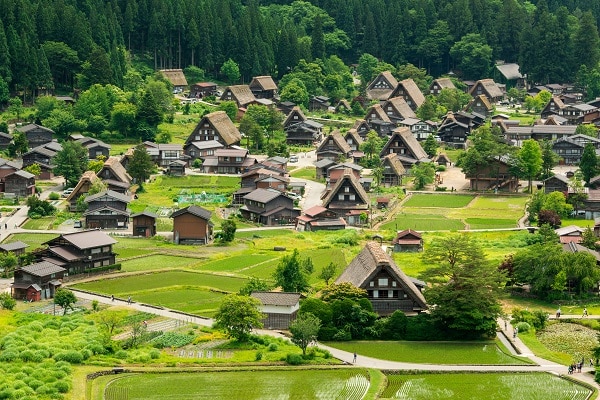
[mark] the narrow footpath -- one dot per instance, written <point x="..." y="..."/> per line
<point x="515" y="345"/>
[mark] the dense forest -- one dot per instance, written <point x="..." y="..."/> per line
<point x="66" y="44"/>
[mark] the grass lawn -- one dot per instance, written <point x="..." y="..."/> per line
<point x="235" y="263"/>
<point x="439" y="200"/>
<point x="157" y="262"/>
<point x="453" y="353"/>
<point x="34" y="240"/>
<point x="42" y="224"/>
<point x="305" y="173"/>
<point x="584" y="223"/>
<point x="120" y="148"/>
<point x="483" y="386"/>
<point x="191" y="300"/>
<point x="490" y="223"/>
<point x="271" y="384"/>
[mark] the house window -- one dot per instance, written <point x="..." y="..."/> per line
<point x="295" y="117"/>
<point x="193" y="153"/>
<point x="346" y="189"/>
<point x="340" y="197"/>
<point x="372" y="284"/>
<point x="375" y="294"/>
<point x="106" y="249"/>
<point x="382" y="282"/>
<point x="238" y="159"/>
<point x="383" y="293"/>
<point x="352" y="197"/>
<point x="96" y="250"/>
<point x="171" y="154"/>
<point x="390" y="294"/>
<point x="393" y="283"/>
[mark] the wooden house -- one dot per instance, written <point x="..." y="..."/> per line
<point x="442" y="159"/>
<point x="337" y="171"/>
<point x="144" y="224"/>
<point x="36" y="135"/>
<point x="81" y="189"/>
<point x="319" y="103"/>
<point x="286" y="107"/>
<point x="272" y="182"/>
<point x="322" y="166"/>
<point x="343" y="107"/>
<point x="568" y="150"/>
<point x="495" y="175"/>
<point x="362" y="128"/>
<point x="176" y="168"/>
<point x="278" y="308"/>
<point x="488" y="88"/>
<point x="95" y="148"/>
<point x="114" y="175"/>
<point x="215" y="126"/>
<point x="319" y="218"/>
<point x="397" y="109"/>
<point x="79" y="252"/>
<point x="404" y="145"/>
<point x="228" y="161"/>
<point x="480" y="105"/>
<point x="440" y="84"/>
<point x="20" y="183"/>
<point x="37" y="281"/>
<point x="518" y="134"/>
<point x="201" y="150"/>
<point x="163" y="154"/>
<point x="334" y="148"/>
<point x="5" y="140"/>
<point x="240" y="94"/>
<point x="510" y="74"/>
<point x="348" y="199"/>
<point x="17" y="248"/>
<point x="456" y="127"/>
<point x="353" y="139"/>
<point x="269" y="207"/>
<point x="557" y="183"/>
<point x="382" y="86"/>
<point x="378" y="120"/>
<point x="6" y="168"/>
<point x="410" y="92"/>
<point x="408" y="241"/>
<point x="570" y="234"/>
<point x="192" y="225"/>
<point x="553" y="107"/>
<point x="107" y="210"/>
<point x="175" y="78"/>
<point x="263" y="87"/>
<point x="203" y="89"/>
<point x="393" y="171"/>
<point x="44" y="158"/>
<point x="577" y="114"/>
<point x="300" y="130"/>
<point x="388" y="288"/>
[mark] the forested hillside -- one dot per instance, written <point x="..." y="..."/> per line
<point x="74" y="43"/>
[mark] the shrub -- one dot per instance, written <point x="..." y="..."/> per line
<point x="273" y="347"/>
<point x="8" y="355"/>
<point x="61" y="386"/>
<point x="70" y="356"/>
<point x="154" y="354"/>
<point x="34" y="383"/>
<point x="258" y="356"/>
<point x="523" y="327"/>
<point x="342" y="335"/>
<point x="122" y="354"/>
<point x="171" y="339"/>
<point x="27" y="355"/>
<point x="293" y="359"/>
<point x="53" y="196"/>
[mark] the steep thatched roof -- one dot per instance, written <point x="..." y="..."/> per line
<point x="175" y="76"/>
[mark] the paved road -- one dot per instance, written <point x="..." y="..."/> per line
<point x="363" y="361"/>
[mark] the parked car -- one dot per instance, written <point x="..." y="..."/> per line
<point x="293" y="158"/>
<point x="67" y="192"/>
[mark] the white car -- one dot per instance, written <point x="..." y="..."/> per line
<point x="293" y="158"/>
<point x="67" y="192"/>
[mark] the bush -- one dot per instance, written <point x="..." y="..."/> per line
<point x="154" y="354"/>
<point x="61" y="386"/>
<point x="171" y="339"/>
<point x="53" y="196"/>
<point x="273" y="347"/>
<point x="70" y="356"/>
<point x="258" y="356"/>
<point x="293" y="359"/>
<point x="121" y="354"/>
<point x="523" y="327"/>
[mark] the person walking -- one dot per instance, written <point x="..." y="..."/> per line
<point x="112" y="297"/>
<point x="354" y="359"/>
<point x="585" y="313"/>
<point x="558" y="312"/>
<point x="129" y="300"/>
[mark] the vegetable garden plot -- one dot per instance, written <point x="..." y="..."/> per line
<point x="483" y="386"/>
<point x="187" y="197"/>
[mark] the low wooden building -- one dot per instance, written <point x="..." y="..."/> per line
<point x="176" y="168"/>
<point x="5" y="140"/>
<point x="408" y="241"/>
<point x="269" y="207"/>
<point x="556" y="183"/>
<point x="107" y="210"/>
<point x="37" y="281"/>
<point x="203" y="89"/>
<point x="17" y="248"/>
<point x="36" y="135"/>
<point x="81" y="189"/>
<point x="192" y="225"/>
<point x="388" y="288"/>
<point x="144" y="224"/>
<point x="279" y="308"/>
<point x="20" y="183"/>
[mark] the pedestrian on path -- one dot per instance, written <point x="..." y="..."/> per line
<point x="129" y="300"/>
<point x="112" y="297"/>
<point x="354" y="359"/>
<point x="585" y="313"/>
<point x="591" y="363"/>
<point x="558" y="312"/>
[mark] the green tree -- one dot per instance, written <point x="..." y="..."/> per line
<point x="589" y="239"/>
<point x="63" y="122"/>
<point x="238" y="315"/>
<point x="295" y="91"/>
<point x="7" y="302"/>
<point x="418" y="75"/>
<point x="97" y="164"/>
<point x="255" y="284"/>
<point x="34" y="169"/>
<point x="64" y="298"/>
<point x="317" y="43"/>
<point x="4" y="92"/>
<point x="71" y="162"/>
<point x="149" y="111"/>
<point x="430" y="145"/>
<point x="19" y="145"/>
<point x="549" y="158"/>
<point x="589" y="163"/>
<point x="110" y="319"/>
<point x="15" y="106"/>
<point x="290" y="274"/>
<point x="328" y="272"/>
<point x="530" y="161"/>
<point x="587" y="129"/>
<point x="586" y="42"/>
<point x="341" y="291"/>
<point x="464" y="287"/>
<point x="123" y="117"/>
<point x="423" y="174"/>
<point x="8" y="262"/>
<point x="231" y="70"/>
<point x="45" y="105"/>
<point x="230" y="108"/>
<point x="305" y="330"/>
<point x="557" y="202"/>
<point x="372" y="145"/>
<point x="228" y="228"/>
<point x="141" y="165"/>
<point x="473" y="56"/>
<point x="367" y="67"/>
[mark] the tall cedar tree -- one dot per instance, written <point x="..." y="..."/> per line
<point x="589" y="163"/>
<point x="464" y="287"/>
<point x="71" y="162"/>
<point x="140" y="166"/>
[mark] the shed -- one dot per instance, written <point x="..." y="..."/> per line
<point x="408" y="241"/>
<point x="144" y="224"/>
<point x="280" y="308"/>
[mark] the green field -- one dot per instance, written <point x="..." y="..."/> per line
<point x="453" y="353"/>
<point x="439" y="200"/>
<point x="157" y="262"/>
<point x="304" y="173"/>
<point x="272" y="384"/>
<point x="483" y="386"/>
<point x="422" y="222"/>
